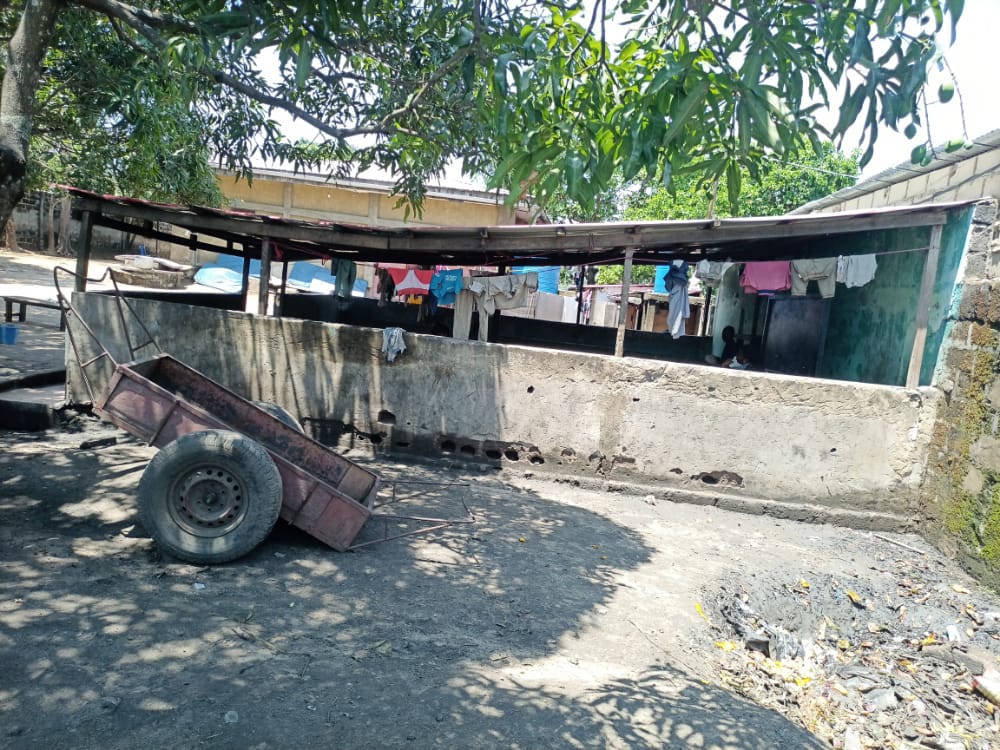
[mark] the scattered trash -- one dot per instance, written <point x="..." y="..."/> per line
<point x="649" y="500"/>
<point x="383" y="648"/>
<point x="198" y="586"/>
<point x="231" y="717"/>
<point x="859" y="663"/>
<point x="988" y="685"/>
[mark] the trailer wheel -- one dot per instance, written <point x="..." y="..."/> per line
<point x="280" y="413"/>
<point x="210" y="497"/>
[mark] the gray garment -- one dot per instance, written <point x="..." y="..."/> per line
<point x="679" y="307"/>
<point x="710" y="272"/>
<point x="821" y="270"/>
<point x="464" y="302"/>
<point x="392" y="343"/>
<point x="856" y="270"/>
<point x="490" y="293"/>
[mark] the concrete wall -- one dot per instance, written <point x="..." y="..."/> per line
<point x="807" y="448"/>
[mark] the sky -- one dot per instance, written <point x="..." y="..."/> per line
<point x="972" y="61"/>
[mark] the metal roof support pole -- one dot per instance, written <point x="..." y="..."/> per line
<point x="924" y="307"/>
<point x="83" y="250"/>
<point x="623" y="305"/>
<point x="265" y="276"/>
<point x="579" y="293"/>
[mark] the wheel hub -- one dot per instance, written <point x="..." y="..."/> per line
<point x="209" y="498"/>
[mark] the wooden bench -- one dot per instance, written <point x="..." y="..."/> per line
<point x="24" y="302"/>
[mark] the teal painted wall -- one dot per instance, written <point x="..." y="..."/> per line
<point x="871" y="328"/>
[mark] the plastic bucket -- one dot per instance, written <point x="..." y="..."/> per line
<point x="8" y="333"/>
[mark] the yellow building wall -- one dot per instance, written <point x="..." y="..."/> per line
<point x="331" y="202"/>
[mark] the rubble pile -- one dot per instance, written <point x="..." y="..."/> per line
<point x="892" y="657"/>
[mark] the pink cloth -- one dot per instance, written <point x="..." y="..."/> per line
<point x="411" y="280"/>
<point x="766" y="276"/>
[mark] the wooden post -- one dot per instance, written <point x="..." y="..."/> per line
<point x="493" y="332"/>
<point x="265" y="276"/>
<point x="279" y="307"/>
<point x="245" y="279"/>
<point x="83" y="250"/>
<point x="924" y="307"/>
<point x="705" y="307"/>
<point x="623" y="306"/>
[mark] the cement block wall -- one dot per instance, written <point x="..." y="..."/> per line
<point x="805" y="448"/>
<point x="962" y="489"/>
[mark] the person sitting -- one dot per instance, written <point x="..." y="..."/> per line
<point x="733" y="354"/>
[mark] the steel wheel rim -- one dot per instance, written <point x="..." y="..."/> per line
<point x="208" y="500"/>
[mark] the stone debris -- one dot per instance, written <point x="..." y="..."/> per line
<point x="894" y="657"/>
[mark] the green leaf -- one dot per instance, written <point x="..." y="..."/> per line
<point x="734" y="179"/>
<point x="683" y="111"/>
<point x="303" y="64"/>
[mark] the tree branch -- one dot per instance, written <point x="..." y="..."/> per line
<point x="131" y="15"/>
<point x="411" y="102"/>
<point x="146" y="24"/>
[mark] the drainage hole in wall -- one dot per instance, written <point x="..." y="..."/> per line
<point x="536" y="460"/>
<point x="512" y="455"/>
<point x="568" y="452"/>
<point x="402" y="444"/>
<point x="709" y="479"/>
<point x="635" y="398"/>
<point x="447" y="446"/>
<point x="833" y="450"/>
<point x="468" y="450"/>
<point x="494" y="454"/>
<point x="677" y="470"/>
<point x="531" y="389"/>
<point x="386" y="417"/>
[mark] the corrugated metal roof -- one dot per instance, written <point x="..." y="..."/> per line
<point x="741" y="239"/>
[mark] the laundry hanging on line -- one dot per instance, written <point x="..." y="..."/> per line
<point x="411" y="280"/>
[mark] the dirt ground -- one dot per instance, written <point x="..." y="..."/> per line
<point x="561" y="617"/>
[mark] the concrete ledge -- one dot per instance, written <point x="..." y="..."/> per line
<point x="26" y="406"/>
<point x="755" y="506"/>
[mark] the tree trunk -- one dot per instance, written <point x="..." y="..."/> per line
<point x="25" y="53"/>
<point x="10" y="235"/>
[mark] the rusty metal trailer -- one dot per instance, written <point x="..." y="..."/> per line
<point x="228" y="467"/>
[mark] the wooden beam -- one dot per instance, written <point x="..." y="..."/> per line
<point x="83" y="250"/>
<point x="245" y="278"/>
<point x="265" y="277"/>
<point x="623" y="305"/>
<point x="924" y="307"/>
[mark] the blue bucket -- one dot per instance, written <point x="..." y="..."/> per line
<point x="8" y="332"/>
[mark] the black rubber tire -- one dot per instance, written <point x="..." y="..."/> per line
<point x="210" y="497"/>
<point x="280" y="413"/>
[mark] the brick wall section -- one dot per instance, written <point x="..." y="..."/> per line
<point x="962" y="485"/>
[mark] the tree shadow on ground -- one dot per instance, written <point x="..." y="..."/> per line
<point x="483" y="636"/>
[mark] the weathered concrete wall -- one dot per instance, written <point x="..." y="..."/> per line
<point x="962" y="489"/>
<point x="811" y="448"/>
